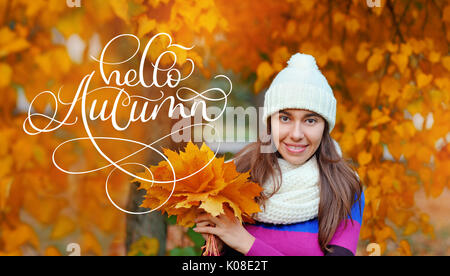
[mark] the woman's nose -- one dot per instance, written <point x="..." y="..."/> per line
<point x="297" y="131"/>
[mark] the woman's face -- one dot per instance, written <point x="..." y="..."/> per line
<point x="297" y="134"/>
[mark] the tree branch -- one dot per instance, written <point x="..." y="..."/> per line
<point x="444" y="29"/>
<point x="394" y="20"/>
<point x="426" y="17"/>
<point x="7" y="11"/>
<point x="330" y="19"/>
<point x="344" y="34"/>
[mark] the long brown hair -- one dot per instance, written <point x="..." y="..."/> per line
<point x="340" y="187"/>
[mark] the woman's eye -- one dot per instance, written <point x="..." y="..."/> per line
<point x="284" y="118"/>
<point x="311" y="121"/>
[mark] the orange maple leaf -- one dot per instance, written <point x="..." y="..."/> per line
<point x="203" y="183"/>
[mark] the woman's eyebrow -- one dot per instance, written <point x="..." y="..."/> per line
<point x="310" y="115"/>
<point x="284" y="112"/>
<point x="307" y="115"/>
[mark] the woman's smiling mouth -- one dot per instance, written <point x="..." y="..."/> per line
<point x="292" y="148"/>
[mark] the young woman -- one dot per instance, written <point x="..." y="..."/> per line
<point x="313" y="201"/>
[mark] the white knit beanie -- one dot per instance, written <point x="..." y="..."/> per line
<point x="301" y="85"/>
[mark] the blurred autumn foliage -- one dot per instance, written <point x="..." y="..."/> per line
<point x="389" y="67"/>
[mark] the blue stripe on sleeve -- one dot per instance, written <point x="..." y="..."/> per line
<point x="310" y="226"/>
<point x="356" y="213"/>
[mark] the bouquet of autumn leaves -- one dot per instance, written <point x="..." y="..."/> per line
<point x="203" y="183"/>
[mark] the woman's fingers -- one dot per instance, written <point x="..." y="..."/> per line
<point x="229" y="217"/>
<point x="199" y="226"/>
<point x="206" y="230"/>
<point x="202" y="217"/>
<point x="204" y="223"/>
<point x="209" y="218"/>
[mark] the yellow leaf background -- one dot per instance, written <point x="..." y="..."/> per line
<point x="387" y="65"/>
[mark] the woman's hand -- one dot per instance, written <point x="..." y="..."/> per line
<point x="206" y="223"/>
<point x="228" y="228"/>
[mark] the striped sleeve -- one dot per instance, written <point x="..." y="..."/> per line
<point x="347" y="233"/>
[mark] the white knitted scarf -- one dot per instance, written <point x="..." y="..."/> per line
<point x="297" y="199"/>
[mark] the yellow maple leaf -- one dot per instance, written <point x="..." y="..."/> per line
<point x="18" y="236"/>
<point x="374" y="175"/>
<point x="360" y="135"/>
<point x="410" y="228"/>
<point x="401" y="60"/>
<point x="90" y="244"/>
<point x="10" y="42"/>
<point x="5" y="188"/>
<point x="375" y="61"/>
<point x="203" y="184"/>
<point x="63" y="226"/>
<point x="391" y="47"/>
<point x="374" y="137"/>
<point x="363" y="52"/>
<point x="378" y="118"/>
<point x="264" y="72"/>
<point x="364" y="158"/>
<point x="404" y="249"/>
<point x="385" y="233"/>
<point x="336" y="53"/>
<point x="209" y="20"/>
<point x="144" y="246"/>
<point x="434" y="56"/>
<point x="352" y="25"/>
<point x="120" y="8"/>
<point x="6" y="164"/>
<point x="280" y="56"/>
<point x="446" y="62"/>
<point x="423" y="79"/>
<point x="146" y="25"/>
<point x="181" y="55"/>
<point x="6" y="73"/>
